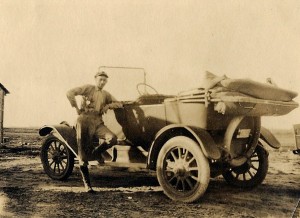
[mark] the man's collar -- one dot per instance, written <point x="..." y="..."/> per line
<point x="97" y="88"/>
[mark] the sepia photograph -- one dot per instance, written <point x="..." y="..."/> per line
<point x="129" y="108"/>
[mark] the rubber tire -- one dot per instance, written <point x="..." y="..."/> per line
<point x="44" y="158"/>
<point x="202" y="162"/>
<point x="258" y="178"/>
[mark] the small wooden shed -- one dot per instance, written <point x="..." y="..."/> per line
<point x="3" y="92"/>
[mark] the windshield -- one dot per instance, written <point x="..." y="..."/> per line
<point x="122" y="82"/>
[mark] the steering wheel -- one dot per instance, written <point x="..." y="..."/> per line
<point x="145" y="92"/>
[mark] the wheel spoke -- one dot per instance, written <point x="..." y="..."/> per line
<point x="177" y="183"/>
<point x="54" y="167"/>
<point x="179" y="153"/>
<point x="185" y="154"/>
<point x="56" y="147"/>
<point x="253" y="167"/>
<point x="244" y="176"/>
<point x="63" y="168"/>
<point x="51" y="163"/>
<point x="58" y="167"/>
<point x="51" y="152"/>
<point x="237" y="176"/>
<point x="173" y="155"/>
<point x="183" y="185"/>
<point x="188" y="181"/>
<point x="194" y="178"/>
<point x="51" y="148"/>
<point x="191" y="160"/>
<point x="251" y="175"/>
<point x="52" y="145"/>
<point x="193" y="168"/>
<point x="173" y="177"/>
<point x="64" y="162"/>
<point x="254" y="160"/>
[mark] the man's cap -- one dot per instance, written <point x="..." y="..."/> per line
<point x="101" y="73"/>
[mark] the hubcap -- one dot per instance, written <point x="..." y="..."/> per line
<point x="181" y="169"/>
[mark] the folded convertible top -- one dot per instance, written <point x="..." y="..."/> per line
<point x="241" y="97"/>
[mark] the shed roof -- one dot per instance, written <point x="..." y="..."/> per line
<point x="4" y="89"/>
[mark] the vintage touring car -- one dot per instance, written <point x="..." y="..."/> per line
<point x="186" y="138"/>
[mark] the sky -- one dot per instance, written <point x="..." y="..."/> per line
<point x="49" y="47"/>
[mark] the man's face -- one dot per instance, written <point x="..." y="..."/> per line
<point x="100" y="81"/>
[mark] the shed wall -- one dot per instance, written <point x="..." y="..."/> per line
<point x="2" y="93"/>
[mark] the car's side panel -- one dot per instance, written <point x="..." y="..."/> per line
<point x="195" y="114"/>
<point x="153" y="121"/>
<point x="192" y="114"/>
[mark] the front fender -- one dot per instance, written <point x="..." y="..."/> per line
<point x="269" y="138"/>
<point x="63" y="132"/>
<point x="205" y="141"/>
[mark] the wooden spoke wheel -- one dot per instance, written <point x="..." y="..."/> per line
<point x="182" y="169"/>
<point x="252" y="172"/>
<point x="57" y="159"/>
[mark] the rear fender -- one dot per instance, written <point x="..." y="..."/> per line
<point x="64" y="133"/>
<point x="267" y="137"/>
<point x="202" y="137"/>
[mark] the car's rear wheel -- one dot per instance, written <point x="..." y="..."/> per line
<point x="182" y="169"/>
<point x="57" y="159"/>
<point x="252" y="172"/>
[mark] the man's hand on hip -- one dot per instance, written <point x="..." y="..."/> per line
<point x="79" y="111"/>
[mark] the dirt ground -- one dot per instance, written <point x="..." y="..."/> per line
<point x="26" y="191"/>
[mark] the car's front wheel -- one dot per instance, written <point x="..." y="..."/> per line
<point x="57" y="159"/>
<point x="182" y="169"/>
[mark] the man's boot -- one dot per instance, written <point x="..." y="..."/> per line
<point x="100" y="148"/>
<point x="97" y="152"/>
<point x="86" y="179"/>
